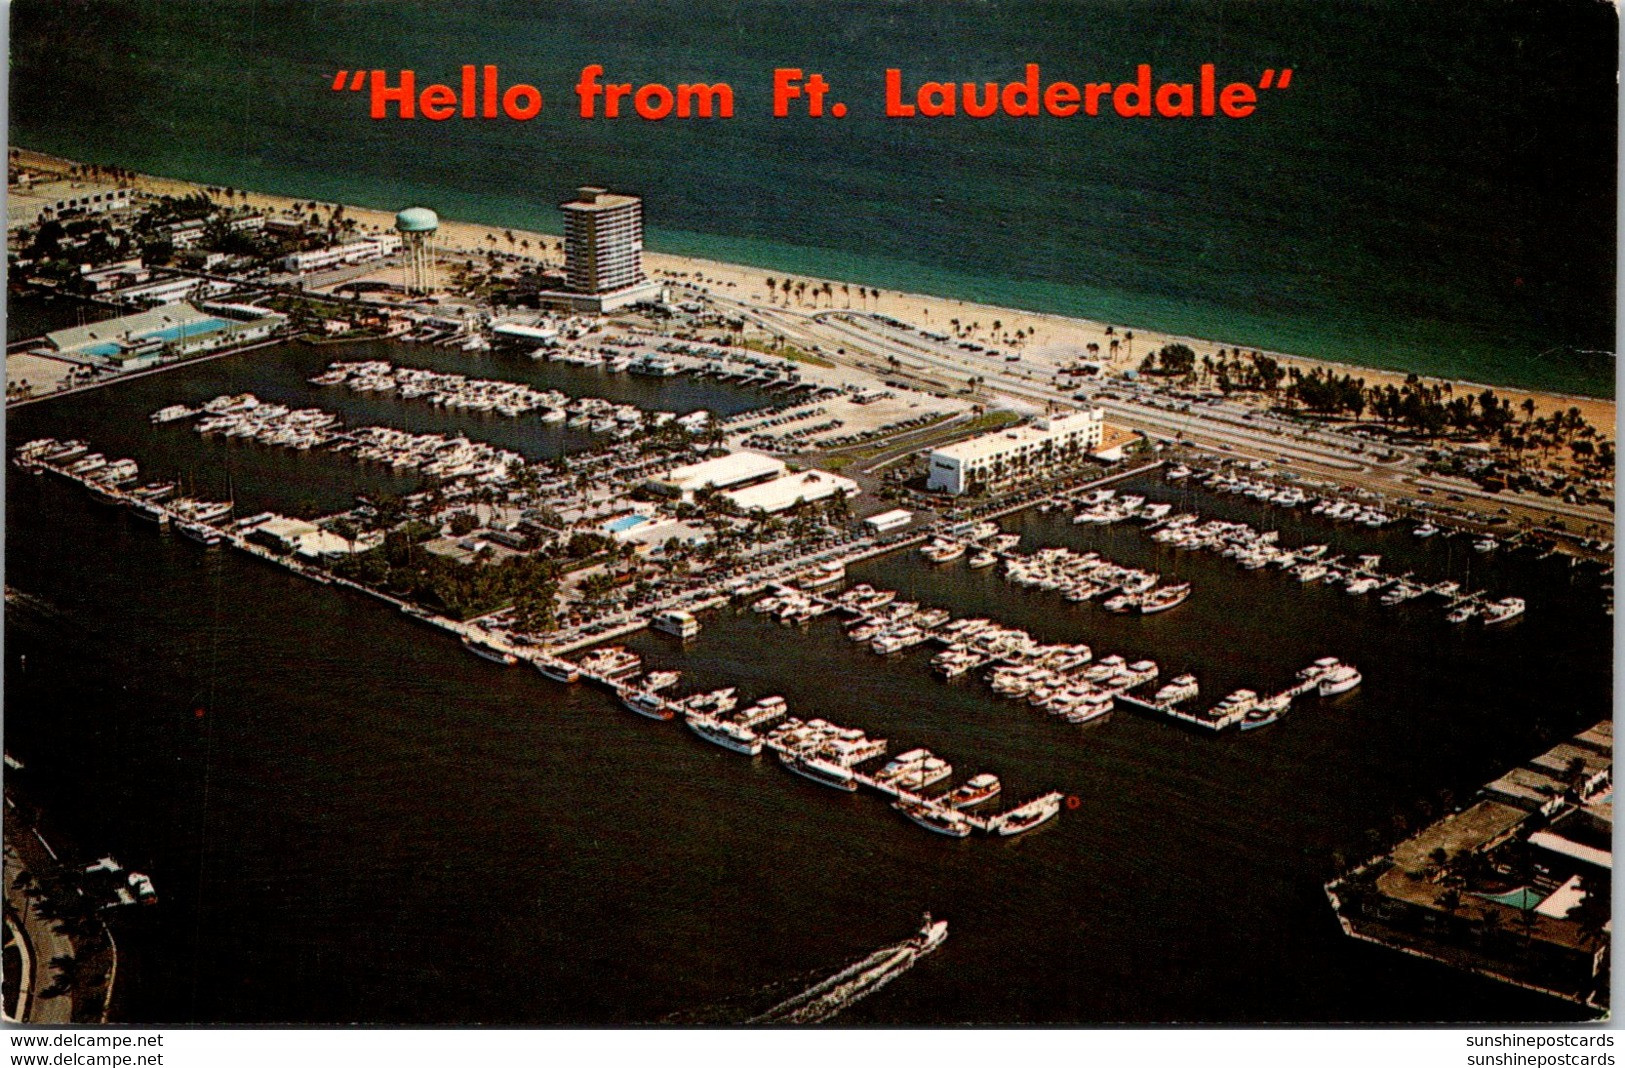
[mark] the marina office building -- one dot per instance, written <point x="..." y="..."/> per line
<point x="994" y="458"/>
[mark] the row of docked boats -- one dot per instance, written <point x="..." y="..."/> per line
<point x="1253" y="549"/>
<point x="1327" y="676"/>
<point x="455" y="391"/>
<point x="792" y="605"/>
<point x="983" y="541"/>
<point x="1104" y="507"/>
<point x="245" y="416"/>
<point x="1266" y="492"/>
<point x="109" y="482"/>
<point x="655" y="366"/>
<point x="816" y="749"/>
<point x="1077" y="694"/>
<point x="1082" y="576"/>
<point x="441" y="456"/>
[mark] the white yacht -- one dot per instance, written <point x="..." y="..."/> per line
<point x="1340" y="679"/>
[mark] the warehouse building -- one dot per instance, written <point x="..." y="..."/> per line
<point x="732" y="471"/>
<point x="787" y="491"/>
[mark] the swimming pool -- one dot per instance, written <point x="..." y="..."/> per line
<point x="193" y="329"/>
<point x="626" y="522"/>
<point x="1525" y="898"/>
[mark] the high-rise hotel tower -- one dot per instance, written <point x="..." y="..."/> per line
<point x="603" y="241"/>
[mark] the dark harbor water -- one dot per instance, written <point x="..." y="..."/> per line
<point x="32" y="316"/>
<point x="349" y="818"/>
<point x="1434" y="193"/>
<point x="113" y="420"/>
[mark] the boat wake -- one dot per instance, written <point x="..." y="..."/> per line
<point x="818" y="999"/>
<point x="857" y="981"/>
<point x="38" y="606"/>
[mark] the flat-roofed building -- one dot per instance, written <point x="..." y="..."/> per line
<point x="135" y="341"/>
<point x="787" y="491"/>
<point x="724" y="472"/>
<point x="1002" y="455"/>
<point x="892" y="520"/>
<point x="58" y="200"/>
<point x="363" y="251"/>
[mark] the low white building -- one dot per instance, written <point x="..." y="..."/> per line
<point x="1024" y="450"/>
<point x="724" y="472"/>
<point x="790" y="490"/>
<point x="302" y="538"/>
<point x="363" y="251"/>
<point x="892" y="520"/>
<point x="170" y="290"/>
<point x="58" y="199"/>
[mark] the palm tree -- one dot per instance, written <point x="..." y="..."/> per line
<point x="772" y="287"/>
<point x="846" y="291"/>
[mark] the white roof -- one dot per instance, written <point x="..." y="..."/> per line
<point x="781" y="493"/>
<point x="1003" y="440"/>
<point x="287" y="529"/>
<point x="1563" y="899"/>
<point x="727" y="470"/>
<point x="897" y="516"/>
<point x="1558" y="844"/>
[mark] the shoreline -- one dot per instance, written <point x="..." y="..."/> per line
<point x="1054" y="340"/>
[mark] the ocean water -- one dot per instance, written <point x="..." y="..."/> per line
<point x="1435" y="192"/>
<point x="350" y="819"/>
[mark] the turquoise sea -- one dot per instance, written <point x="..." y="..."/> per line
<point x="1434" y="192"/>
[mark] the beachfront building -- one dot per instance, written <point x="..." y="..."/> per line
<point x="996" y="458"/>
<point x="61" y="200"/>
<point x="603" y="241"/>
<point x="603" y="251"/>
<point x="131" y="342"/>
<point x="733" y="471"/>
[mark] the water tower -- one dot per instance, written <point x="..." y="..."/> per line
<point x="416" y="227"/>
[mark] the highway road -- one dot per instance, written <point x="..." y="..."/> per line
<point x="866" y="341"/>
